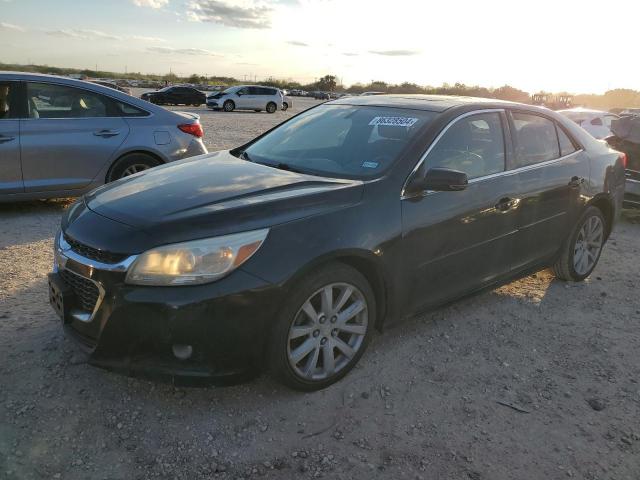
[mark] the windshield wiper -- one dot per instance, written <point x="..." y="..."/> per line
<point x="284" y="166"/>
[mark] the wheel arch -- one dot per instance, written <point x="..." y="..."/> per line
<point x="604" y="203"/>
<point x="152" y="154"/>
<point x="364" y="262"/>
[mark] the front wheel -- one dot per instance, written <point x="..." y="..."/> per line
<point x="582" y="250"/>
<point x="324" y="328"/>
<point x="228" y="106"/>
<point x="271" y="107"/>
<point x="285" y="105"/>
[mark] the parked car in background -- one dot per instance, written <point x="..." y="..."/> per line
<point x="176" y="95"/>
<point x="625" y="137"/>
<point x="287" y="252"/>
<point x="247" y="97"/>
<point x="61" y="137"/>
<point x="596" y="122"/>
<point x="112" y="85"/>
<point x="631" y="111"/>
<point x="321" y="95"/>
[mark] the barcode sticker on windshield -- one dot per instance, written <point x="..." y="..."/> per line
<point x="393" y="121"/>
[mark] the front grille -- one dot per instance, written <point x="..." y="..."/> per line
<point x="85" y="290"/>
<point x="93" y="253"/>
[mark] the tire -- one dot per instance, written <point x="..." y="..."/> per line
<point x="228" y="106"/>
<point x="285" y="106"/>
<point x="272" y="107"/>
<point x="589" y="230"/>
<point x="130" y="164"/>
<point x="324" y="334"/>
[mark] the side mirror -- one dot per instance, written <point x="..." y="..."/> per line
<point x="439" y="180"/>
<point x="239" y="94"/>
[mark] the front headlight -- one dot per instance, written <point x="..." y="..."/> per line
<point x="195" y="262"/>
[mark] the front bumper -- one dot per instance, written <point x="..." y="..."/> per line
<point x="134" y="329"/>
<point x="212" y="104"/>
<point x="632" y="189"/>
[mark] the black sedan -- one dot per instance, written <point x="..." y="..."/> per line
<point x="289" y="251"/>
<point x="176" y="95"/>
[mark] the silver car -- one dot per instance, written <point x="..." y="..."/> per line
<point x="247" y="97"/>
<point x="61" y="137"/>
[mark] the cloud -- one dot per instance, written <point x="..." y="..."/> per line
<point x="297" y="43"/>
<point x="143" y="38"/>
<point x="395" y="53"/>
<point x="182" y="51"/>
<point x="11" y="26"/>
<point x="150" y="3"/>
<point x="82" y="33"/>
<point x="216" y="11"/>
<point x="350" y="54"/>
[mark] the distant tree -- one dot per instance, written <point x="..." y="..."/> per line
<point x="195" y="78"/>
<point x="327" y="83"/>
<point x="511" y="94"/>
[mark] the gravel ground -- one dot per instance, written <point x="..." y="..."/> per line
<point x="537" y="379"/>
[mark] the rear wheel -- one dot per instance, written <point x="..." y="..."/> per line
<point x="324" y="328"/>
<point x="228" y="106"/>
<point x="271" y="107"/>
<point x="581" y="252"/>
<point x="131" y="164"/>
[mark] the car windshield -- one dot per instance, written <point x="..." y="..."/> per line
<point x="340" y="140"/>
<point x="230" y="90"/>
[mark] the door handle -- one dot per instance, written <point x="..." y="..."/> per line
<point x="6" y="138"/>
<point x="576" y="182"/>
<point x="505" y="204"/>
<point x="106" y="133"/>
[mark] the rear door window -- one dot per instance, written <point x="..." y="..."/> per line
<point x="566" y="145"/>
<point x="536" y="140"/>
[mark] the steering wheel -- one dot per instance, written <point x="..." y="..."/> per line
<point x="462" y="160"/>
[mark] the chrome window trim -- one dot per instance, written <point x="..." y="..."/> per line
<point x="440" y="135"/>
<point x="483" y="178"/>
<point x="115" y="99"/>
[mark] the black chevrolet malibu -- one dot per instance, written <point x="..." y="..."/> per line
<point x="287" y="252"/>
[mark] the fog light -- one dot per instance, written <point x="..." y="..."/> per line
<point x="182" y="352"/>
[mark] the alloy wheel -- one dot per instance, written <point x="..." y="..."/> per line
<point x="133" y="169"/>
<point x="328" y="331"/>
<point x="588" y="245"/>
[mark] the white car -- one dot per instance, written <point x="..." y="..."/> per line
<point x="247" y="97"/>
<point x="596" y="122"/>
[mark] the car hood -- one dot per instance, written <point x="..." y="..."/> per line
<point x="215" y="194"/>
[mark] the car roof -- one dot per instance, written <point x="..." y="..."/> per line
<point x="433" y="103"/>
<point x="585" y="111"/>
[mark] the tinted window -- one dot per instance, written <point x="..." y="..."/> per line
<point x="9" y="100"/>
<point x="566" y="145"/>
<point x="245" y="91"/>
<point x="474" y="145"/>
<point x="127" y="110"/>
<point x="58" y="101"/>
<point x="341" y="140"/>
<point x="536" y="139"/>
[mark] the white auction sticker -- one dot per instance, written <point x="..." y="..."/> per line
<point x="393" y="121"/>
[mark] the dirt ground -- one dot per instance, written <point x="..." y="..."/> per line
<point x="536" y="380"/>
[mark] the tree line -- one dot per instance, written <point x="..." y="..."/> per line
<point x="617" y="98"/>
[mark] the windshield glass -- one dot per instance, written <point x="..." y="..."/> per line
<point x="230" y="90"/>
<point x="340" y="140"/>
